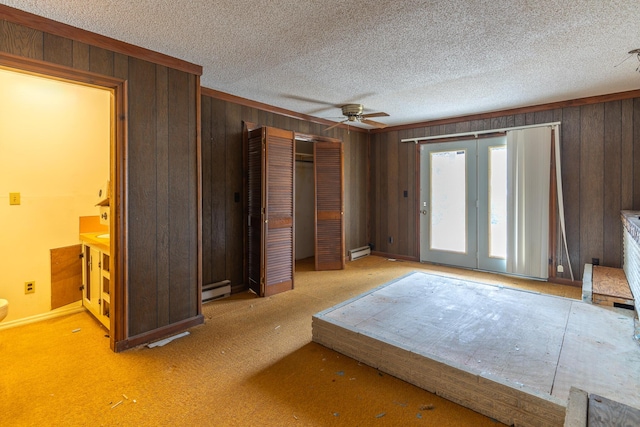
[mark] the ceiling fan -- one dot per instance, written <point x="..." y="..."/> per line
<point x="353" y="113"/>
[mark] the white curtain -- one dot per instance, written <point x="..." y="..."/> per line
<point x="563" y="228"/>
<point x="528" y="170"/>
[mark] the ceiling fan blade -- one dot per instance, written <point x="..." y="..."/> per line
<point x="380" y="114"/>
<point x="374" y="124"/>
<point x="334" y="126"/>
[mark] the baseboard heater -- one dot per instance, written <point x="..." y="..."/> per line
<point x="358" y="253"/>
<point x="217" y="290"/>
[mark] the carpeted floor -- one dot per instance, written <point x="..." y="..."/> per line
<point x="251" y="364"/>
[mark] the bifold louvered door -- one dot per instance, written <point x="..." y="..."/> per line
<point x="270" y="207"/>
<point x="329" y="181"/>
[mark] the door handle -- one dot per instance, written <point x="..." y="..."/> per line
<point x="423" y="211"/>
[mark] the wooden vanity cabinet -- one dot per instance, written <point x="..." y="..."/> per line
<point x="96" y="287"/>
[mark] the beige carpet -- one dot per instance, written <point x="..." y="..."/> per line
<point x="251" y="364"/>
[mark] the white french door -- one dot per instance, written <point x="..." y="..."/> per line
<point x="463" y="203"/>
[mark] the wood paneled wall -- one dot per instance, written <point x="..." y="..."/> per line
<point x="600" y="152"/>
<point x="161" y="169"/>
<point x="222" y="170"/>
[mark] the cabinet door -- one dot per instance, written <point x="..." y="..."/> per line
<point x="92" y="278"/>
<point x="66" y="276"/>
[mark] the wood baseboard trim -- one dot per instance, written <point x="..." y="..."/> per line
<point x="159" y="333"/>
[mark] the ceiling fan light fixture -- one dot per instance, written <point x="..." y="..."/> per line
<point x="352" y="110"/>
<point x="354" y="113"/>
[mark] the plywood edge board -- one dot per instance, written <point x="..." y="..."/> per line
<point x="577" y="406"/>
<point x="517" y="406"/>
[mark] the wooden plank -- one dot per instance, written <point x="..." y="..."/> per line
<point x="605" y="412"/>
<point x="498" y="122"/>
<point x="182" y="205"/>
<point x="22" y="41"/>
<point x="142" y="199"/>
<point x="382" y="196"/>
<point x="162" y="174"/>
<point x="545" y="116"/>
<point x="66" y="276"/>
<point x="81" y="59"/>
<point x="120" y="66"/>
<point x="234" y="216"/>
<point x="626" y="156"/>
<point x="351" y="200"/>
<point x="577" y="408"/>
<point x="612" y="228"/>
<point x="591" y="182"/>
<point x="207" y="192"/>
<point x="373" y="181"/>
<point x="195" y="194"/>
<point x="610" y="301"/>
<point x="570" y="158"/>
<point x="611" y="282"/>
<point x="222" y="196"/>
<point x="58" y="50"/>
<point x="100" y="61"/>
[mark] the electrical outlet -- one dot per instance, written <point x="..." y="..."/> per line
<point x="29" y="287"/>
<point x="560" y="269"/>
<point x="14" y="198"/>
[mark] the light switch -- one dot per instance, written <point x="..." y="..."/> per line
<point x="14" y="198"/>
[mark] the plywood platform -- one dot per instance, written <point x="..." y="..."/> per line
<point x="509" y="354"/>
<point x="610" y="287"/>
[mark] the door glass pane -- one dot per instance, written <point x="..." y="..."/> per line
<point x="498" y="202"/>
<point x="449" y="201"/>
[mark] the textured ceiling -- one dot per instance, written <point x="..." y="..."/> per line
<point x="416" y="60"/>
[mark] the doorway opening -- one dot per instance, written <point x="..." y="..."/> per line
<point x="304" y="202"/>
<point x="58" y="157"/>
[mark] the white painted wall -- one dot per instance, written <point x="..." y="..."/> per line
<point x="54" y="151"/>
<point x="304" y="215"/>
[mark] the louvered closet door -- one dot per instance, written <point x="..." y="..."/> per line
<point x="279" y="207"/>
<point x="254" y="206"/>
<point x="329" y="179"/>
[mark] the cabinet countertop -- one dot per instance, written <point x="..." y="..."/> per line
<point x="99" y="242"/>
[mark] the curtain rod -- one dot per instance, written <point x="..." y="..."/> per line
<point x="476" y="133"/>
